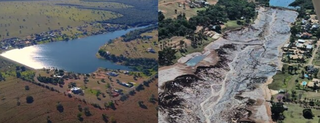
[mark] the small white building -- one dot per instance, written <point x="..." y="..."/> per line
<point x="309" y="47"/>
<point x="301" y="41"/>
<point x="76" y="90"/>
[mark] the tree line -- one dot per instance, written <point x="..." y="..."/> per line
<point x="137" y="64"/>
<point x="135" y="34"/>
<point x="53" y="81"/>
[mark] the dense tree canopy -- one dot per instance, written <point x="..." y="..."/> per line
<point x="166" y="56"/>
<point x="213" y="15"/>
<point x="302" y="3"/>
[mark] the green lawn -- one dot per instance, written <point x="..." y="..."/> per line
<point x="290" y="80"/>
<point x="294" y="115"/>
<point x="232" y="24"/>
<point x="20" y="19"/>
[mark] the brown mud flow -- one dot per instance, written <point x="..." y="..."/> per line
<point x="232" y="89"/>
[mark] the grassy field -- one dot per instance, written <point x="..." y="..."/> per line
<point x="168" y="8"/>
<point x="136" y="48"/>
<point x="232" y="24"/>
<point x="290" y="79"/>
<point x="20" y="19"/>
<point x="316" y="60"/>
<point x="294" y="115"/>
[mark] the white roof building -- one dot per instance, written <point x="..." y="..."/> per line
<point x="309" y="47"/>
<point x="301" y="41"/>
<point x="75" y="89"/>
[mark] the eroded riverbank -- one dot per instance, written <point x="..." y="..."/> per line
<point x="232" y="89"/>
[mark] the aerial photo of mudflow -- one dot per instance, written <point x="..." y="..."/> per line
<point x="239" y="61"/>
<point x="69" y="61"/>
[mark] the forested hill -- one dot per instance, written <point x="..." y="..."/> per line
<point x="143" y="12"/>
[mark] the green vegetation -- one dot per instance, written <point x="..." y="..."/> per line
<point x="140" y="47"/>
<point x="51" y="80"/>
<point x="213" y="15"/>
<point x="21" y="19"/>
<point x="143" y="12"/>
<point x="232" y="13"/>
<point x="60" y="107"/>
<point x="166" y="56"/>
<point x="132" y="35"/>
<point x="80" y="108"/>
<point x="105" y="118"/>
<point x="233" y="24"/>
<point x="79" y="116"/>
<point x="139" y="54"/>
<point x="295" y="115"/>
<point x="306" y="4"/>
<point x="27" y="88"/>
<point x="87" y="111"/>
<point x="29" y="99"/>
<point x="297" y="83"/>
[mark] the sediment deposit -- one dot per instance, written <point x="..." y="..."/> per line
<point x="233" y="88"/>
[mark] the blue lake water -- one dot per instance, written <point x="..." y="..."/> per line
<point x="281" y="3"/>
<point x="78" y="55"/>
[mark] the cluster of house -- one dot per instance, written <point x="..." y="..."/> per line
<point x="128" y="85"/>
<point x="308" y="26"/>
<point x="311" y="84"/>
<point x="198" y="3"/>
<point x="298" y="49"/>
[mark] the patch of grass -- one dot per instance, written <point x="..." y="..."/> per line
<point x="92" y="91"/>
<point x="232" y="24"/>
<point x="294" y="115"/>
<point x="136" y="48"/>
<point x="278" y="81"/>
<point x="20" y="19"/>
<point x="288" y="78"/>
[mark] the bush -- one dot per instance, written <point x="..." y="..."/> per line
<point x="60" y="107"/>
<point x="87" y="111"/>
<point x="80" y="118"/>
<point x="26" y="87"/>
<point x="80" y="108"/>
<point x="105" y="118"/>
<point x="29" y="99"/>
<point x="307" y="113"/>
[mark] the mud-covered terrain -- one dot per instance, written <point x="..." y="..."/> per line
<point x="234" y="88"/>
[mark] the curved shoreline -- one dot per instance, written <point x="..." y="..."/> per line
<point x="31" y="56"/>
